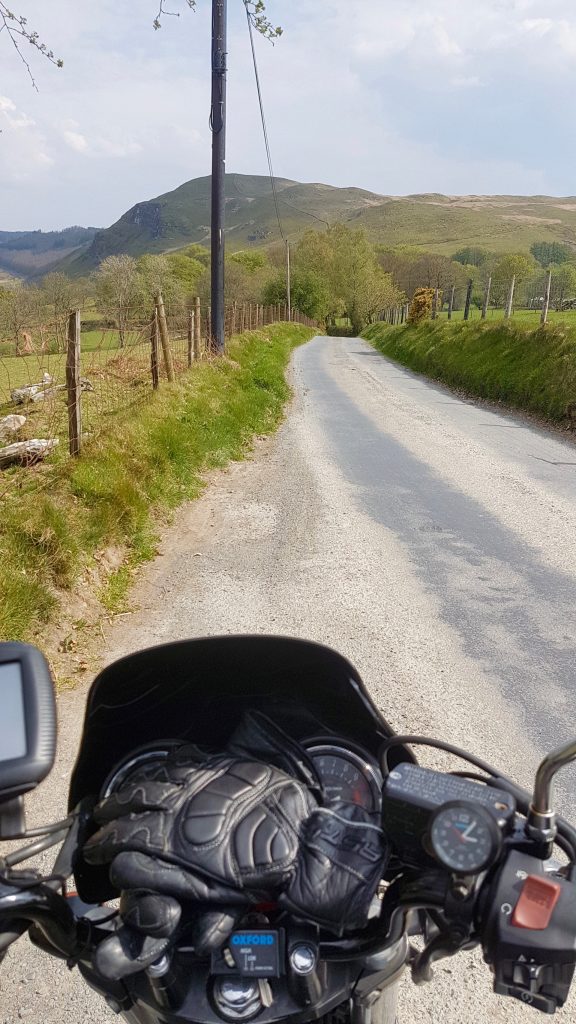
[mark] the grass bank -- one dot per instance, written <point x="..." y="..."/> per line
<point x="533" y="370"/>
<point x="58" y="519"/>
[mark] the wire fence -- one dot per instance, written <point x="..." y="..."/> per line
<point x="468" y="302"/>
<point x="60" y="387"/>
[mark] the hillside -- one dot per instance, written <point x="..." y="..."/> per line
<point x="178" y="218"/>
<point x="444" y="224"/>
<point x="30" y="253"/>
<point x="435" y="222"/>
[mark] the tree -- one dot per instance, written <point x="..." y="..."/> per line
<point x="250" y="260"/>
<point x="472" y="256"/>
<point x="19" y="306"/>
<point x="61" y="294"/>
<point x="157" y="275"/>
<point x="552" y="252"/>
<point x="563" y="284"/>
<point x="186" y="270"/>
<point x="119" y="290"/>
<point x="309" y="293"/>
<point x="357" y="277"/>
<point x="516" y="265"/>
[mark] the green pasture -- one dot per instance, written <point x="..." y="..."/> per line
<point x="530" y="317"/>
<point x="120" y="377"/>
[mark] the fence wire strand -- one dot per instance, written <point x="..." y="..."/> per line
<point x="116" y="374"/>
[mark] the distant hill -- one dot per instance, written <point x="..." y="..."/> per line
<point x="445" y="224"/>
<point x="431" y="221"/>
<point x="31" y="253"/>
<point x="180" y="217"/>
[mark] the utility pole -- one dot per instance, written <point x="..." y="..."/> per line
<point x="288" y="286"/>
<point x="218" y="126"/>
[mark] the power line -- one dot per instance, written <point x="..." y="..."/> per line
<point x="264" y="129"/>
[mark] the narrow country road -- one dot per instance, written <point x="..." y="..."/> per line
<point x="432" y="541"/>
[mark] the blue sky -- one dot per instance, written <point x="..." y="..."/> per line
<point x="397" y="96"/>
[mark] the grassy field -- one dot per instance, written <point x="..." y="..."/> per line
<point x="63" y="512"/>
<point x="528" y="317"/>
<point x="506" y="362"/>
<point x="120" y="378"/>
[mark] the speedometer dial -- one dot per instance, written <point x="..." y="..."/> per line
<point x="347" y="777"/>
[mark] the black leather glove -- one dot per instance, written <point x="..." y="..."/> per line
<point x="343" y="855"/>
<point x="226" y="832"/>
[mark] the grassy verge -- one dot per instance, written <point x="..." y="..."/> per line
<point x="533" y="370"/>
<point x="63" y="514"/>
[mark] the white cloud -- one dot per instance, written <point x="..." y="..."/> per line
<point x="466" y="82"/>
<point x="76" y="141"/>
<point x="126" y="118"/>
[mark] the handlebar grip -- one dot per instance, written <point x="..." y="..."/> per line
<point x="127" y="952"/>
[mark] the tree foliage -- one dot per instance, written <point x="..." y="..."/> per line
<point x="340" y="269"/>
<point x="19" y="306"/>
<point x="119" y="290"/>
<point x="547" y="253"/>
<point x="514" y="264"/>
<point x="472" y="256"/>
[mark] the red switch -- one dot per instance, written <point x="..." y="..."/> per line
<point x="537" y="900"/>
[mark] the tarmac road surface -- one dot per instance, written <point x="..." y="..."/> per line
<point x="430" y="540"/>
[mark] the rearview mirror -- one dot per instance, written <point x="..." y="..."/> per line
<point x="27" y="720"/>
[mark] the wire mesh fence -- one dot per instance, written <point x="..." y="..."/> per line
<point x="63" y="384"/>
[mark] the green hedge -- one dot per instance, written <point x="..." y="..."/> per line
<point x="503" y="362"/>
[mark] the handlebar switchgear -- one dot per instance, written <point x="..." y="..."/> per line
<point x="529" y="935"/>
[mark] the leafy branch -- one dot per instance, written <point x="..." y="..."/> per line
<point x="16" y="27"/>
<point x="163" y="13"/>
<point x="256" y="10"/>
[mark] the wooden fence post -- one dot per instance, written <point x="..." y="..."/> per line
<point x="190" y="338"/>
<point x="545" y="307"/>
<point x="154" y="350"/>
<point x="435" y="304"/>
<point x="197" y="329"/>
<point x="468" y="299"/>
<point x="73" y="385"/>
<point x="234" y="317"/>
<point x="208" y="340"/>
<point x="164" y="335"/>
<point x="486" y="297"/>
<point x="451" y="302"/>
<point x="510" y="300"/>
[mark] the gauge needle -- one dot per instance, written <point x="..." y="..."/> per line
<point x="467" y="837"/>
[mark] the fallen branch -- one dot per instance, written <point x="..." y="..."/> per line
<point x="26" y="452"/>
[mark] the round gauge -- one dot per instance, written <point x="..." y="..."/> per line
<point x="347" y="776"/>
<point x="464" y="837"/>
<point x="137" y="766"/>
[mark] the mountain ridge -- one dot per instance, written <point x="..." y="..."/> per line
<point x="432" y="221"/>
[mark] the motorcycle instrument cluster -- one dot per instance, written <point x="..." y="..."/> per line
<point x="347" y="775"/>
